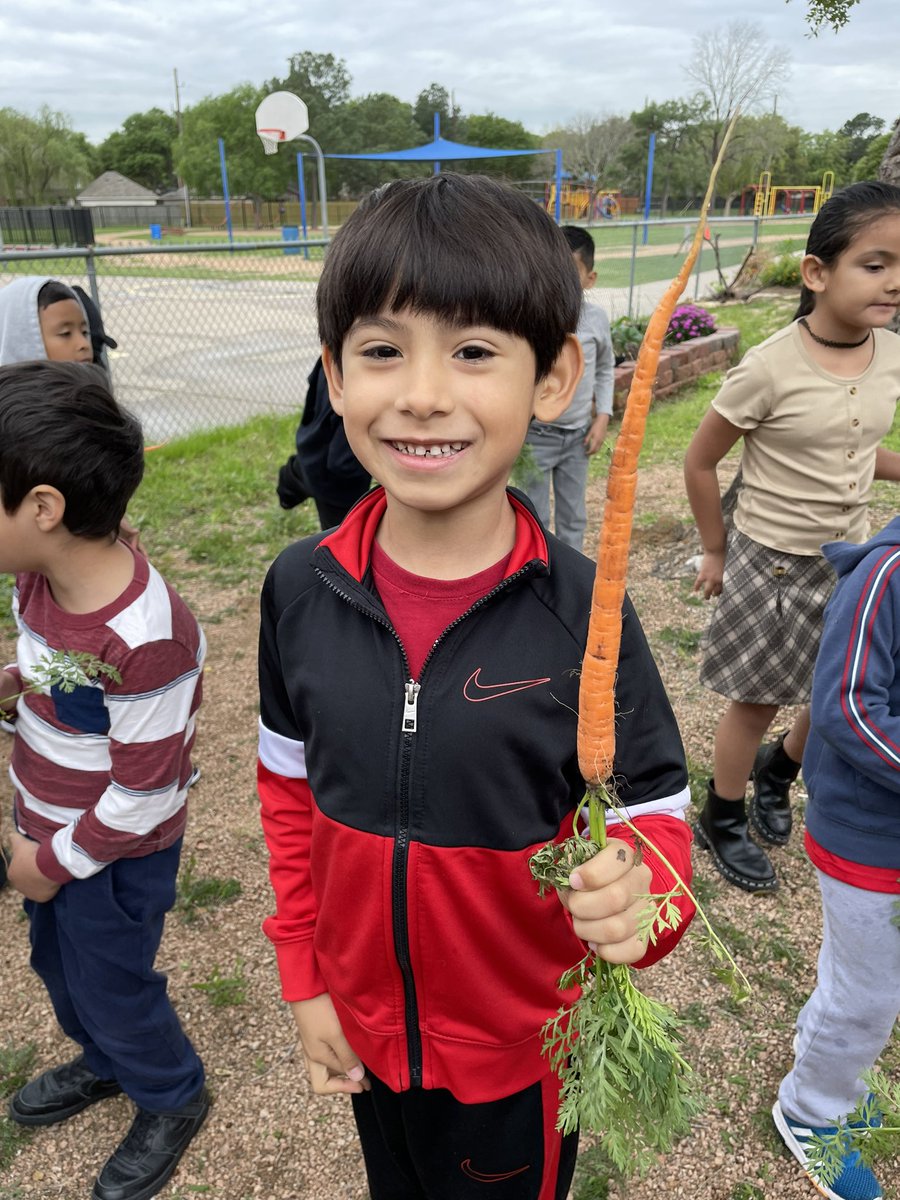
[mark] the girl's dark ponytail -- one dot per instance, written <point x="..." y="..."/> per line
<point x="838" y="222"/>
<point x="807" y="303"/>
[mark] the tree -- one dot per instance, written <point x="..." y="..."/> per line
<point x="679" y="165"/>
<point x="868" y="165"/>
<point x="436" y="99"/>
<point x="370" y="125"/>
<point x="735" y="67"/>
<point x="859" y="132"/>
<point x="487" y="129"/>
<point x="760" y="143"/>
<point x="593" y="147"/>
<point x="834" y="13"/>
<point x="320" y="80"/>
<point x="323" y="83"/>
<point x="42" y="159"/>
<point x="143" y="149"/>
<point x="231" y="117"/>
<point x="889" y="170"/>
<point x="821" y="152"/>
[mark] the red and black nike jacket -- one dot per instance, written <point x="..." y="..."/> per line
<point x="400" y="816"/>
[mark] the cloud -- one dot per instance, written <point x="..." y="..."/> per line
<point x="521" y="60"/>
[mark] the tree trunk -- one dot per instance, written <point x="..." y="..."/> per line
<point x="889" y="172"/>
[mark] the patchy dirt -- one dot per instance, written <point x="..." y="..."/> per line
<point x="267" y="1136"/>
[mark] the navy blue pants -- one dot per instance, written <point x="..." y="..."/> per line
<point x="94" y="945"/>
<point x="426" y="1145"/>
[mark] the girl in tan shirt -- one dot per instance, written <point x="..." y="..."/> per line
<point x="812" y="404"/>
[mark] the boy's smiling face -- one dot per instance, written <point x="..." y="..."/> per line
<point x="437" y="412"/>
<point x="64" y="329"/>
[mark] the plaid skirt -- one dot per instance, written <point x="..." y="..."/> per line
<point x="761" y="644"/>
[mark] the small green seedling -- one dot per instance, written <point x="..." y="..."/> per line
<point x="224" y="991"/>
<point x="199" y="893"/>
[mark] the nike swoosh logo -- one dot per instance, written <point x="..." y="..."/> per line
<point x="476" y="692"/>
<point x="467" y="1169"/>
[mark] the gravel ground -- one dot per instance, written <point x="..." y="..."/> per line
<point x="267" y="1136"/>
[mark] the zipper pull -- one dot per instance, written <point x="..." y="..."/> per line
<point x="410" y="706"/>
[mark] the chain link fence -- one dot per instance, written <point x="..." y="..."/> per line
<point x="208" y="335"/>
<point x="212" y="333"/>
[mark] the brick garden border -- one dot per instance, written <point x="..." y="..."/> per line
<point x="681" y="365"/>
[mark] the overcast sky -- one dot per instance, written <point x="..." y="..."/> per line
<point x="102" y="60"/>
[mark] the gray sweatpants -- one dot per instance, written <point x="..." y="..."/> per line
<point x="847" y="1021"/>
<point x="560" y="459"/>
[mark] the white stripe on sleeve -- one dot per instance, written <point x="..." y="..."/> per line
<point x="282" y="755"/>
<point x="668" y="806"/>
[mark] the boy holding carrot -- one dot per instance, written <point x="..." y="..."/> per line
<point x="419" y="690"/>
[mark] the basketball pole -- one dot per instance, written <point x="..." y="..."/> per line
<point x="301" y="184"/>
<point x="225" y="191"/>
<point x="323" y="202"/>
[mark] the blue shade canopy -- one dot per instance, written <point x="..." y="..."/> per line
<point x="440" y="150"/>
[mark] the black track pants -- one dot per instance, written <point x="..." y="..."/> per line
<point x="427" y="1145"/>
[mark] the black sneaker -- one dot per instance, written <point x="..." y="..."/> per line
<point x="59" y="1093"/>
<point x="150" y="1151"/>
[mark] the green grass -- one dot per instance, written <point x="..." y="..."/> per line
<point x="207" y="506"/>
<point x="200" y="893"/>
<point x="225" y="991"/>
<point x="16" y="1066"/>
<point x="616" y="234"/>
<point x="685" y="641"/>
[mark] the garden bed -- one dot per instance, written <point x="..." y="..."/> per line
<point x="682" y="365"/>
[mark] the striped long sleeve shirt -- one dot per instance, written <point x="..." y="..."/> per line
<point x="101" y="772"/>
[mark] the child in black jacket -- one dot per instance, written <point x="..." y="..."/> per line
<point x="418" y="680"/>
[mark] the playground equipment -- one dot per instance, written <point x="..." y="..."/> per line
<point x="767" y="197"/>
<point x="580" y="203"/>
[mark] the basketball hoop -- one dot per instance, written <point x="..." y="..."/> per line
<point x="280" y="117"/>
<point x="270" y="139"/>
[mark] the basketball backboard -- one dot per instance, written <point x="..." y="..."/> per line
<point x="280" y="116"/>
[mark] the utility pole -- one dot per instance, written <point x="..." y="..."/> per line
<point x="181" y="184"/>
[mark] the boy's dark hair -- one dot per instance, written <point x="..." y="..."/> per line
<point x="462" y="248"/>
<point x="60" y="425"/>
<point x="840" y="219"/>
<point x="580" y="243"/>
<point x="53" y="292"/>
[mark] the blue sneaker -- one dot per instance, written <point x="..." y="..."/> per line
<point x="855" y="1182"/>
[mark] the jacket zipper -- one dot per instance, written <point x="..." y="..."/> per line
<point x="400" y="860"/>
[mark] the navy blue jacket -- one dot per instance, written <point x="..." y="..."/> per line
<point x="852" y="761"/>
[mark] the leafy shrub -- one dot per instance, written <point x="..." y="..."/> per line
<point x="689" y="321"/>
<point x="627" y="334"/>
<point x="783" y="271"/>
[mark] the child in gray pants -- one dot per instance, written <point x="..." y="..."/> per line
<point x="562" y="449"/>
<point x="851" y="768"/>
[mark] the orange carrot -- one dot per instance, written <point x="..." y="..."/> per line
<point x="596" y="701"/>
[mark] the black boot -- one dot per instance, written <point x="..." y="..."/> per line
<point x="722" y="830"/>
<point x="770" y="806"/>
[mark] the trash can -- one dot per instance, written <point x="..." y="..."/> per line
<point x="156" y="233"/>
<point x="291" y="233"/>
